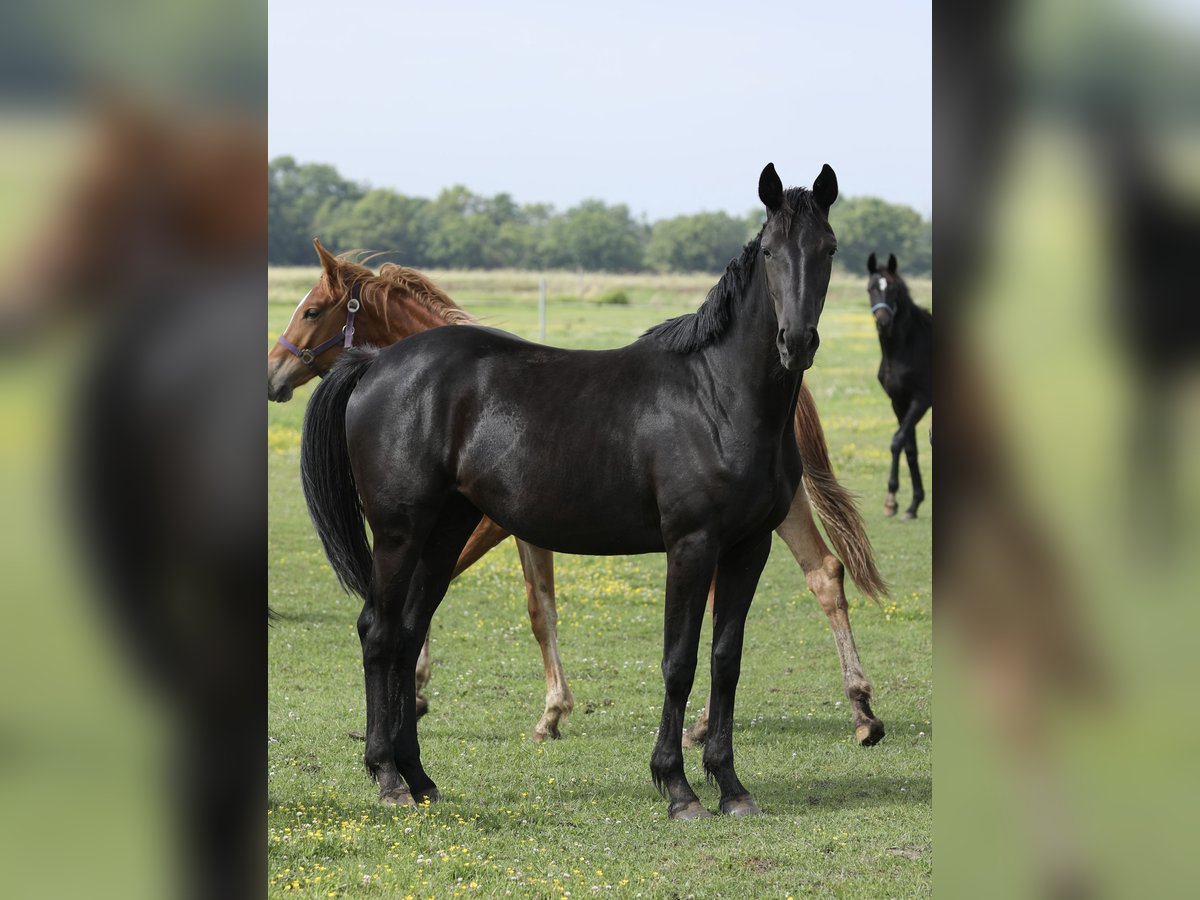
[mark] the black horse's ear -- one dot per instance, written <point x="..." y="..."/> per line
<point x="770" y="188"/>
<point x="872" y="266"/>
<point x="892" y="263"/>
<point x="825" y="188"/>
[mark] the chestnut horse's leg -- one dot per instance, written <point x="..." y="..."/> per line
<point x="824" y="573"/>
<point x="543" y="617"/>
<point x="738" y="572"/>
<point x="487" y="535"/>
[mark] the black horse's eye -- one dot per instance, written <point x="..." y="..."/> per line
<point x="766" y="253"/>
<point x="833" y="253"/>
<point x="311" y="313"/>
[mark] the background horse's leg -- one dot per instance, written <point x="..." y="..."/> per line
<point x="690" y="565"/>
<point x="422" y="674"/>
<point x="487" y="534"/>
<point x="427" y="587"/>
<point x="914" y="472"/>
<point x="825" y="576"/>
<point x="889" y="504"/>
<point x="538" y="565"/>
<point x="909" y="415"/>
<point x="737" y="576"/>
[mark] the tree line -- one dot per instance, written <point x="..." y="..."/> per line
<point x="459" y="229"/>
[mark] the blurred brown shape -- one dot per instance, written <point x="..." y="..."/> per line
<point x="157" y="196"/>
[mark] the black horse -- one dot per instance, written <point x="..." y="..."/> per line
<point x="681" y="443"/>
<point x="906" y="370"/>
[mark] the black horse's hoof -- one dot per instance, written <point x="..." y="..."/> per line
<point x="422" y="706"/>
<point x="429" y="795"/>
<point x="397" y="797"/>
<point x="868" y="734"/>
<point x="692" y="810"/>
<point x="908" y="516"/>
<point x="742" y="806"/>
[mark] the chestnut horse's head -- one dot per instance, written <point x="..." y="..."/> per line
<point x="321" y="327"/>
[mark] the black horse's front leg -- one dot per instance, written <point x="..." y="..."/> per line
<point x="738" y="572"/>
<point x="690" y="565"/>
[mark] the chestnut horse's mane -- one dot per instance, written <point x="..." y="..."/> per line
<point x="377" y="288"/>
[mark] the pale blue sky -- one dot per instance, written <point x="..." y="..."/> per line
<point x="669" y="107"/>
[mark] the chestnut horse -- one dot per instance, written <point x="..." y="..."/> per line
<point x="398" y="302"/>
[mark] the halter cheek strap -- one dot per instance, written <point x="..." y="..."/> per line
<point x="308" y="355"/>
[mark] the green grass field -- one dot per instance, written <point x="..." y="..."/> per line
<point x="579" y="817"/>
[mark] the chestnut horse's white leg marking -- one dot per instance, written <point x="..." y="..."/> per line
<point x="543" y="618"/>
<point x="825" y="574"/>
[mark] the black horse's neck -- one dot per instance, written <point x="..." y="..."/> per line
<point x="746" y="354"/>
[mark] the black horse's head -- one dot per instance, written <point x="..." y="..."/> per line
<point x="797" y="248"/>
<point x="882" y="291"/>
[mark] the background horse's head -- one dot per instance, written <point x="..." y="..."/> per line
<point x="882" y="291"/>
<point x="314" y="336"/>
<point x="797" y="247"/>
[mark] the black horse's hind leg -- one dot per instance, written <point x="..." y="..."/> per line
<point x="378" y="624"/>
<point x="908" y="414"/>
<point x="430" y="579"/>
<point x="914" y="472"/>
<point x="737" y="577"/>
<point x="889" y="504"/>
<point x="690" y="565"/>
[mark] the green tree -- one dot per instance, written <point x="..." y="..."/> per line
<point x="705" y="242"/>
<point x="866" y="225"/>
<point x="296" y="195"/>
<point x="380" y="220"/>
<point x="598" y="237"/>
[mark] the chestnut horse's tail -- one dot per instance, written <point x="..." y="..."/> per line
<point x="834" y="504"/>
<point x="329" y="487"/>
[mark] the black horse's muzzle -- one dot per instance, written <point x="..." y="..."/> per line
<point x="797" y="352"/>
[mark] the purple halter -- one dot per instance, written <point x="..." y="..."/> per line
<point x="308" y="355"/>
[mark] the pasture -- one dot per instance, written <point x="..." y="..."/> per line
<point x="579" y="817"/>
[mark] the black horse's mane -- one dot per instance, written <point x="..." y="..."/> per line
<point x="693" y="331"/>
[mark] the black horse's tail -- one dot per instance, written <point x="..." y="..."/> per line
<point x="329" y="487"/>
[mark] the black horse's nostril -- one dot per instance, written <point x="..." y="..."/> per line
<point x="811" y="339"/>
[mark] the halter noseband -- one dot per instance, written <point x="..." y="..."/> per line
<point x="883" y="304"/>
<point x="308" y="355"/>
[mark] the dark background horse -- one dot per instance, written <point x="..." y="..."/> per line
<point x="905" y="371"/>
<point x="680" y="443"/>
